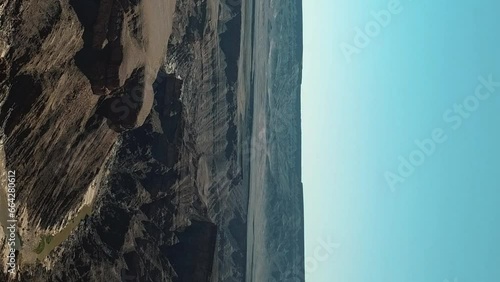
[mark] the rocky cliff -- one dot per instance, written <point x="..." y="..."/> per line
<point x="82" y="72"/>
<point x="57" y="58"/>
<point x="129" y="108"/>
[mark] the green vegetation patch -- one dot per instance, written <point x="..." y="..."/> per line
<point x="43" y="240"/>
<point x="48" y="239"/>
<point x="40" y="247"/>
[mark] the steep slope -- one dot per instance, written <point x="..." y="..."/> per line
<point x="160" y="145"/>
<point x="179" y="167"/>
<point x="54" y="128"/>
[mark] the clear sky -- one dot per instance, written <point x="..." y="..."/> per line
<point x="365" y="105"/>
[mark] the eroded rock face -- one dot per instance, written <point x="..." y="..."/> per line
<point x="56" y="60"/>
<point x="122" y="48"/>
<point x="192" y="257"/>
<point x="180" y="167"/>
<point x="122" y="108"/>
<point x="102" y="52"/>
<point x="46" y="111"/>
<point x="150" y="223"/>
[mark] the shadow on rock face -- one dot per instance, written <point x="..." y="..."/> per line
<point x="120" y="112"/>
<point x="23" y="94"/>
<point x="102" y="53"/>
<point x="3" y="70"/>
<point x="123" y="107"/>
<point x="86" y="12"/>
<point x="192" y="257"/>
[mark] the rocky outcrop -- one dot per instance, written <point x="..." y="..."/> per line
<point x="172" y="204"/>
<point x="145" y="208"/>
<point x="122" y="48"/>
<point x="56" y="56"/>
<point x="102" y="52"/>
<point x="193" y="256"/>
<point x="180" y="167"/>
<point x="52" y="136"/>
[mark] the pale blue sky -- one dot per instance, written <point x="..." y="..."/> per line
<point x="360" y="116"/>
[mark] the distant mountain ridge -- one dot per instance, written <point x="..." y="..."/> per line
<point x="276" y="211"/>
